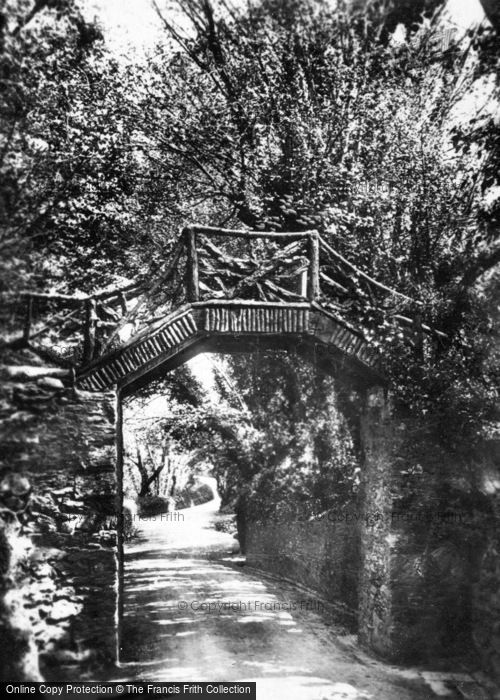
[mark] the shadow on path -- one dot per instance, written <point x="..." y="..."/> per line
<point x="189" y="616"/>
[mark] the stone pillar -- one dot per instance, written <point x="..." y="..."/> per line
<point x="486" y="604"/>
<point x="418" y="541"/>
<point x="378" y="436"/>
<point x="64" y="443"/>
<point x="486" y="589"/>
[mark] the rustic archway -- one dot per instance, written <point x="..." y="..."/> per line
<point x="262" y="314"/>
<point x="223" y="326"/>
<point x="225" y="323"/>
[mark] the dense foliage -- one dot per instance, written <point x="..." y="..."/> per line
<point x="66" y="165"/>
<point x="292" y="116"/>
<point x="297" y="457"/>
<point x="275" y="441"/>
<point x="158" y="437"/>
<point x="284" y="116"/>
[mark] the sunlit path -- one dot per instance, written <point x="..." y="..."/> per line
<point x="177" y="567"/>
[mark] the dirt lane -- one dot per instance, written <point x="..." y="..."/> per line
<point x="189" y="616"/>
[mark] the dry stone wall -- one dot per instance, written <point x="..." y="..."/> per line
<point x="321" y="553"/>
<point x="58" y="496"/>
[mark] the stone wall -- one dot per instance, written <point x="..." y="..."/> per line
<point x="429" y="546"/>
<point x="351" y="562"/>
<point x="486" y="589"/>
<point x="415" y="585"/>
<point x="58" y="454"/>
<point x="421" y="566"/>
<point x="321" y="554"/>
<point x="377" y="437"/>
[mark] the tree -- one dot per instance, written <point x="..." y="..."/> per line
<point x="67" y="167"/>
<point x="300" y="451"/>
<point x="282" y="115"/>
<point x="291" y="117"/>
<point x="271" y="433"/>
<point x="148" y="479"/>
<point x="157" y="450"/>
